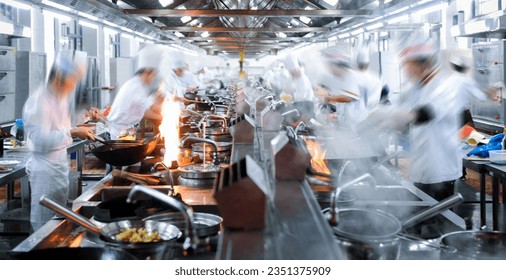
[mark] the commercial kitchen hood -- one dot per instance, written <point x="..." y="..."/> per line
<point x="492" y="25"/>
<point x="14" y="30"/>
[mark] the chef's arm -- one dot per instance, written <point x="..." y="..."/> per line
<point x="150" y="114"/>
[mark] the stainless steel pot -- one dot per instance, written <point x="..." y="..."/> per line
<point x="374" y="235"/>
<point x="163" y="249"/>
<point x="199" y="171"/>
<point x="474" y="245"/>
<point x="224" y="151"/>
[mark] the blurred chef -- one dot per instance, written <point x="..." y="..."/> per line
<point x="188" y="80"/>
<point x="46" y="115"/>
<point x="173" y="82"/>
<point x="340" y="88"/>
<point x="371" y="83"/>
<point x="299" y="86"/>
<point x="203" y="74"/>
<point x="435" y="145"/>
<point x="467" y="89"/>
<point x="136" y="98"/>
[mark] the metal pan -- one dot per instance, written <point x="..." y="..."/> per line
<point x="124" y="152"/>
<point x="162" y="249"/>
<point x="205" y="224"/>
<point x="199" y="171"/>
<point x="474" y="245"/>
<point x="80" y="253"/>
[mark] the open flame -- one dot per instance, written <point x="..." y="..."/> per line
<point x="317" y="156"/>
<point x="169" y="129"/>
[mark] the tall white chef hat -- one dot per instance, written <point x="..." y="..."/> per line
<point x="363" y="56"/>
<point x="150" y="56"/>
<point x="459" y="59"/>
<point x="178" y="61"/>
<point x="291" y="63"/>
<point x="69" y="64"/>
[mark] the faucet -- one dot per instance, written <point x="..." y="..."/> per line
<point x="197" y="139"/>
<point x="301" y="124"/>
<point x="167" y="174"/>
<point x="290" y="112"/>
<point x="191" y="239"/>
<point x="275" y="104"/>
<point x="334" y="220"/>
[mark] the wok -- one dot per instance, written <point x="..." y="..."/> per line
<point x="163" y="249"/>
<point x="80" y="253"/>
<point x="474" y="245"/>
<point x="124" y="152"/>
<point x="374" y="234"/>
<point x="117" y="209"/>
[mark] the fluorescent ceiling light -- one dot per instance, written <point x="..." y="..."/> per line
<point x="205" y="34"/>
<point x="90" y="17"/>
<point x="344" y="35"/>
<point x="128" y="36"/>
<point x="209" y="41"/>
<point x="281" y="34"/>
<point x="305" y="20"/>
<point x="110" y="31"/>
<point x="17" y="5"/>
<point x="57" y="6"/>
<point x="308" y="8"/>
<point x="88" y="24"/>
<point x="333" y="38"/>
<point x="179" y="34"/>
<point x="357" y="31"/>
<point x="374" y="26"/>
<point x="111" y="24"/>
<point x="398" y="19"/>
<point x="331" y="2"/>
<point x="186" y="19"/>
<point x="165" y="3"/>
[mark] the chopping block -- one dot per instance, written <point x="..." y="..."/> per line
<point x="241" y="193"/>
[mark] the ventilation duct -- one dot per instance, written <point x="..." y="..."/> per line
<point x="244" y="22"/>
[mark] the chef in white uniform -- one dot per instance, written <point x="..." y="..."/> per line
<point x="341" y="87"/>
<point x="137" y="95"/>
<point x="371" y="83"/>
<point x="435" y="145"/>
<point x="46" y="115"/>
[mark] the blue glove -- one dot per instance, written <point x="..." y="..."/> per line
<point x="493" y="144"/>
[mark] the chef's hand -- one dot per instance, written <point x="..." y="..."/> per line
<point x="82" y="132"/>
<point x="94" y="113"/>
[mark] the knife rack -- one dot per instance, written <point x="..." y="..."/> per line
<point x="241" y="194"/>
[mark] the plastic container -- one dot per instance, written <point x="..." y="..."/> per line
<point x="498" y="156"/>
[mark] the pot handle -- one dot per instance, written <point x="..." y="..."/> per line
<point x="434" y="210"/>
<point x="76" y="218"/>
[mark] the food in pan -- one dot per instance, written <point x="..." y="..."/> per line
<point x="138" y="235"/>
<point x="3" y="168"/>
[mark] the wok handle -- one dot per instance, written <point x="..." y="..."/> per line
<point x="74" y="217"/>
<point x="434" y="210"/>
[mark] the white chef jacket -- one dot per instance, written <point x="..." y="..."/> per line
<point x="435" y="146"/>
<point x="47" y="126"/>
<point x="467" y="89"/>
<point x="350" y="113"/>
<point x="128" y="108"/>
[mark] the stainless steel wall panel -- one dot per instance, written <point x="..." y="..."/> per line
<point x="7" y="107"/>
<point x="7" y="58"/>
<point x="7" y="81"/>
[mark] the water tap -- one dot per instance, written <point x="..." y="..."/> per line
<point x="334" y="220"/>
<point x="168" y="174"/>
<point x="216" y="160"/>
